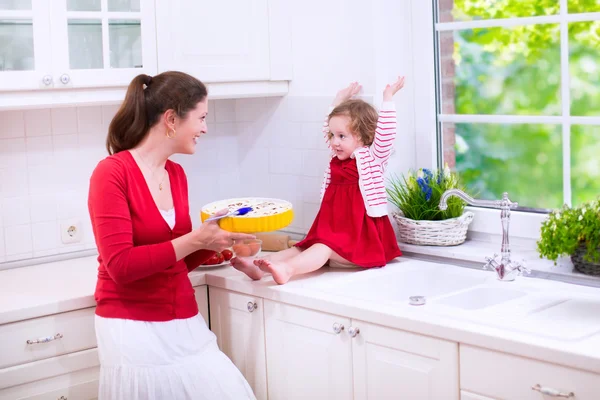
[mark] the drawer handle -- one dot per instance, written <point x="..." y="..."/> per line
<point x="46" y="339"/>
<point x="352" y="331"/>
<point x="338" y="328"/>
<point x="252" y="306"/>
<point x="552" y="392"/>
<point x="62" y="398"/>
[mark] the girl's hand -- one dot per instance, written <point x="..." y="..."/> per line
<point x="391" y="90"/>
<point x="210" y="236"/>
<point x="347" y="93"/>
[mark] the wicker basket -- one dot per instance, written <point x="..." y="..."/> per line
<point x="582" y="265"/>
<point x="448" y="232"/>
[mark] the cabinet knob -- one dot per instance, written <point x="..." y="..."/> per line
<point x="64" y="78"/>
<point x="338" y="328"/>
<point x="252" y="306"/>
<point x="552" y="392"/>
<point x="47" y="80"/>
<point x="62" y="398"/>
<point x="352" y="331"/>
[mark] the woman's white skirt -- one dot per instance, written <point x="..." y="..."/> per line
<point x="177" y="359"/>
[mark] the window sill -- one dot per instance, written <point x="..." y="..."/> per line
<point x="472" y="254"/>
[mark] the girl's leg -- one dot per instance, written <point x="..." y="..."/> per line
<point x="247" y="266"/>
<point x="304" y="262"/>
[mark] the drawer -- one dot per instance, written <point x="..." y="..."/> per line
<point x="48" y="368"/>
<point x="78" y="385"/>
<point x="508" y="377"/>
<point x="201" y="294"/>
<point x="23" y="342"/>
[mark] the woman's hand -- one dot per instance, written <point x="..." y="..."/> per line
<point x="346" y="94"/>
<point x="391" y="90"/>
<point x="211" y="237"/>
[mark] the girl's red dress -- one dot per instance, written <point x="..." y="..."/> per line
<point x="343" y="225"/>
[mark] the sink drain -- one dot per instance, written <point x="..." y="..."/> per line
<point x="416" y="300"/>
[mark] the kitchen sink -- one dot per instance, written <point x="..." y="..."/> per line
<point x="397" y="282"/>
<point x="481" y="297"/>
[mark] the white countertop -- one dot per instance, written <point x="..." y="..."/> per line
<point x="45" y="289"/>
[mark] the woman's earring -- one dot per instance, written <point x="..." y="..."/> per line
<point x="171" y="133"/>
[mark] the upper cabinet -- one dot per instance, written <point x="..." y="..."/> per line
<point x="69" y="52"/>
<point x="64" y="44"/>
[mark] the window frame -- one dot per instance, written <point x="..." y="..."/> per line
<point x="525" y="223"/>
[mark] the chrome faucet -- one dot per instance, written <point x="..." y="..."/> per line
<point x="506" y="269"/>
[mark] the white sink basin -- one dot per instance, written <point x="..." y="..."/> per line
<point x="481" y="297"/>
<point x="397" y="282"/>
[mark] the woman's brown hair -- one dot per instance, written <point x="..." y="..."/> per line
<point x="147" y="98"/>
<point x="363" y="119"/>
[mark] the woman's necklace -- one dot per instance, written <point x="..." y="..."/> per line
<point x="160" y="187"/>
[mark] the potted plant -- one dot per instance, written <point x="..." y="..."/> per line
<point x="574" y="232"/>
<point x="420" y="221"/>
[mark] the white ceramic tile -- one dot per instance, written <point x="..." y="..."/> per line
<point x="71" y="204"/>
<point x="14" y="182"/>
<point x="89" y="120"/>
<point x="64" y="121"/>
<point x="15" y="211"/>
<point x="210" y="117"/>
<point x="13" y="124"/>
<point x="314" y="162"/>
<point x="254" y="161"/>
<point x="38" y="122"/>
<point x="45" y="253"/>
<point x="308" y="108"/>
<point x="224" y="111"/>
<point x="247" y="110"/>
<point x="255" y="134"/>
<point x="311" y="189"/>
<point x="2" y="247"/>
<point x="298" y="221"/>
<point x="42" y="179"/>
<point x="39" y="150"/>
<point x="227" y="151"/>
<point x="256" y="184"/>
<point x="13" y="153"/>
<point x="87" y="231"/>
<point x="70" y="248"/>
<point x="219" y="129"/>
<point x="108" y="112"/>
<point x="45" y="236"/>
<point x="286" y="187"/>
<point x="310" y="212"/>
<point x="312" y="136"/>
<point x="43" y="208"/>
<point x="285" y="135"/>
<point x="285" y="161"/>
<point x="229" y="185"/>
<point x="18" y="240"/>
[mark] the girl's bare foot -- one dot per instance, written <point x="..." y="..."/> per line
<point x="247" y="266"/>
<point x="281" y="271"/>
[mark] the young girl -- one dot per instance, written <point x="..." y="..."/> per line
<point x="352" y="228"/>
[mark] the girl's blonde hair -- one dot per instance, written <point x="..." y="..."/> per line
<point x="363" y="119"/>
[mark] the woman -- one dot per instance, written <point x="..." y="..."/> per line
<point x="152" y="343"/>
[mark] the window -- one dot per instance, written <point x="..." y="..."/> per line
<point x="518" y="98"/>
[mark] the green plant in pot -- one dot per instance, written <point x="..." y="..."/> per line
<point x="417" y="197"/>
<point x="574" y="232"/>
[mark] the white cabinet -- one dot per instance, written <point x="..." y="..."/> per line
<point x="504" y="376"/>
<point x="201" y="295"/>
<point x="309" y="356"/>
<point x="322" y="356"/>
<point x="472" y="396"/>
<point x="227" y="41"/>
<point x="237" y="321"/>
<point x="60" y="44"/>
<point x="395" y="364"/>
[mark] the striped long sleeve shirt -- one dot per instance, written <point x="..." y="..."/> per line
<point x="371" y="162"/>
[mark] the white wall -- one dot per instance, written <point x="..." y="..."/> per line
<point x="255" y="147"/>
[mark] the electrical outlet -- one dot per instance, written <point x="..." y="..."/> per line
<point x="70" y="231"/>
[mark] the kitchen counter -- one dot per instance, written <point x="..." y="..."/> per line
<point x="67" y="285"/>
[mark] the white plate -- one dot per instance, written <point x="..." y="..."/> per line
<point x="224" y="263"/>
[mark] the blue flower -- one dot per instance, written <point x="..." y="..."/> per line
<point x="428" y="175"/>
<point x="425" y="188"/>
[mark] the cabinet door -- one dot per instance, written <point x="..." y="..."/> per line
<point x="394" y="364"/>
<point x="237" y="321"/>
<point x="471" y="396"/>
<point x="306" y="357"/>
<point x="102" y="42"/>
<point x="25" y="52"/>
<point x="201" y="294"/>
<point x="216" y="41"/>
